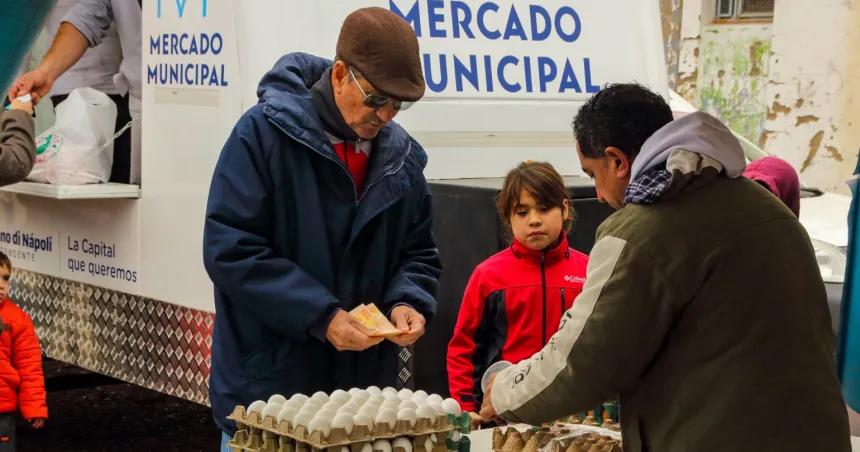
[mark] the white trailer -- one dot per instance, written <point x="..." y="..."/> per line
<point x="113" y="274"/>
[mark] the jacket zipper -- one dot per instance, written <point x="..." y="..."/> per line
<point x="390" y="172"/>
<point x="563" y="305"/>
<point x="336" y="160"/>
<point x="339" y="163"/>
<point x="543" y="289"/>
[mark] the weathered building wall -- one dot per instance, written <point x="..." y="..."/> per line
<point x="813" y="89"/>
<point x="734" y="62"/>
<point x="670" y="14"/>
<point x="692" y="17"/>
<point x="792" y="85"/>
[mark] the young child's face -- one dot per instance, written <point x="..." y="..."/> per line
<point x="5" y="274"/>
<point x="534" y="225"/>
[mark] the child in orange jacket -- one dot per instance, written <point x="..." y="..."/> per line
<point x="22" y="385"/>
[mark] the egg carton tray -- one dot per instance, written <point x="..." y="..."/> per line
<point x="257" y="433"/>
<point x="559" y="438"/>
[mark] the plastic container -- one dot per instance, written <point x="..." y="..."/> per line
<point x="494" y="368"/>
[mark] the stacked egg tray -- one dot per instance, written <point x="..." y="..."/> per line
<point x="358" y="420"/>
<point x="559" y="438"/>
<point x="604" y="415"/>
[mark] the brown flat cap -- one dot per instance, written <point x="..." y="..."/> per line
<point x="383" y="47"/>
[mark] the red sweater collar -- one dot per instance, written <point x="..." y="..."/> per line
<point x="559" y="251"/>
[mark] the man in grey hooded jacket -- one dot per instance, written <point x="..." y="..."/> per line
<point x="17" y="145"/>
<point x="703" y="307"/>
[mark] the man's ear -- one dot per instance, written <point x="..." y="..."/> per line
<point x="339" y="76"/>
<point x="621" y="164"/>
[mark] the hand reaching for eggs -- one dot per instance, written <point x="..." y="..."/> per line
<point x="345" y="333"/>
<point x="410" y="322"/>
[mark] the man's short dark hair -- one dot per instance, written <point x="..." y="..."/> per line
<point x="622" y="115"/>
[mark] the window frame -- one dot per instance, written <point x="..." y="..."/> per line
<point x="736" y="11"/>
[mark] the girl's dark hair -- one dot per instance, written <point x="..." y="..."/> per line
<point x="5" y="262"/>
<point x="541" y="181"/>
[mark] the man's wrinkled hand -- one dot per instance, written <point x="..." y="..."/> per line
<point x="36" y="83"/>
<point x="410" y="322"/>
<point x="345" y="333"/>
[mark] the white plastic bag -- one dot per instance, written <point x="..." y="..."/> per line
<point x="78" y="149"/>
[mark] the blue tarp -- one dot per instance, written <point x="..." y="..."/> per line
<point x="20" y="22"/>
<point x="848" y="353"/>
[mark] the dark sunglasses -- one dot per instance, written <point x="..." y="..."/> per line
<point x="377" y="101"/>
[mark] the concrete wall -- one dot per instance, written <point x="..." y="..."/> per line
<point x="670" y="14"/>
<point x="792" y="85"/>
<point x="734" y="62"/>
<point x="813" y="96"/>
<point x="687" y="78"/>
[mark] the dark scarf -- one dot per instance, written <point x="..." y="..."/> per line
<point x="322" y="96"/>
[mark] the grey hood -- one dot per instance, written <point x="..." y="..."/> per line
<point x="698" y="133"/>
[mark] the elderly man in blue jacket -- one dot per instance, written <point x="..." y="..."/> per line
<point x="318" y="203"/>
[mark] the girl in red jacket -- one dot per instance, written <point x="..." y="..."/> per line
<point x="22" y="385"/>
<point x="515" y="299"/>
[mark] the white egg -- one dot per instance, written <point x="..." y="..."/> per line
<point x="407" y="414"/>
<point x="299" y="396"/>
<point x="390" y="405"/>
<point x="277" y="398"/>
<point x="311" y="406"/>
<point x="354" y="404"/>
<point x="369" y="411"/>
<point x="302" y="418"/>
<point x="331" y="405"/>
<point x="434" y="398"/>
<point x="402" y="443"/>
<point x="272" y="409"/>
<point x="329" y="413"/>
<point x="437" y="407"/>
<point x="363" y="419"/>
<point x="361" y="397"/>
<point x="428" y="444"/>
<point x="381" y="445"/>
<point x="386" y="416"/>
<point x="256" y="407"/>
<point x="367" y="447"/>
<point x="408" y="404"/>
<point x="377" y="398"/>
<point x="420" y="393"/>
<point x="294" y="403"/>
<point x="343" y="421"/>
<point x="348" y="409"/>
<point x="405" y="394"/>
<point x="373" y="402"/>
<point x="389" y="390"/>
<point x="426" y="412"/>
<point x="374" y="390"/>
<point x="320" y="424"/>
<point x="339" y="396"/>
<point x="450" y="406"/>
<point x="354" y="391"/>
<point x="287" y="413"/>
<point x="320" y="397"/>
